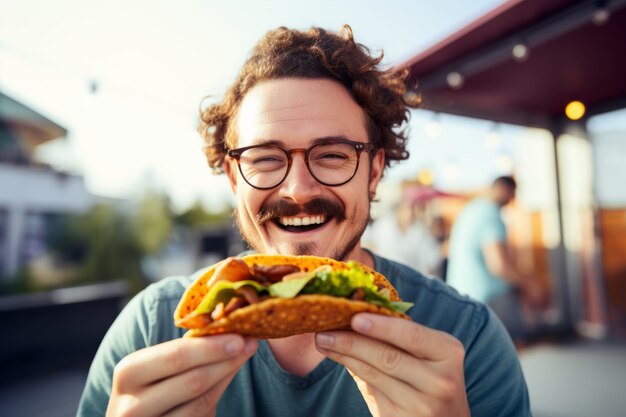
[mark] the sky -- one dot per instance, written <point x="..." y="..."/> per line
<point x="126" y="79"/>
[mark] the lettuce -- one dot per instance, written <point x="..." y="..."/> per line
<point x="335" y="283"/>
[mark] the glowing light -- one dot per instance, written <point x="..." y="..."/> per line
<point x="600" y="16"/>
<point x="455" y="80"/>
<point x="451" y="171"/>
<point x="504" y="164"/>
<point x="520" y="52"/>
<point x="426" y="177"/>
<point x="575" y="110"/>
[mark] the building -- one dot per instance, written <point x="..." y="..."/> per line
<point x="32" y="195"/>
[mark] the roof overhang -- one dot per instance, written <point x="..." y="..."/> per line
<point x="570" y="57"/>
<point x="31" y="127"/>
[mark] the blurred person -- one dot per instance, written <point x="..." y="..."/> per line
<point x="480" y="264"/>
<point x="322" y="111"/>
<point x="402" y="235"/>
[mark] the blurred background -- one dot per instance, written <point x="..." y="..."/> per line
<point x="104" y="187"/>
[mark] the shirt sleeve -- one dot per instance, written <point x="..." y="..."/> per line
<point x="131" y="331"/>
<point x="494" y="379"/>
<point x="493" y="229"/>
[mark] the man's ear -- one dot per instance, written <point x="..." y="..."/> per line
<point x="376" y="172"/>
<point x="231" y="172"/>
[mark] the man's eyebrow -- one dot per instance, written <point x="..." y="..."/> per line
<point x="315" y="141"/>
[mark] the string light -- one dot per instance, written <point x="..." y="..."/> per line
<point x="520" y="52"/>
<point x="575" y="110"/>
<point x="504" y="164"/>
<point x="455" y="80"/>
<point x="426" y="176"/>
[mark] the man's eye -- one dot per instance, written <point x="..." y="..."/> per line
<point x="331" y="156"/>
<point x="267" y="159"/>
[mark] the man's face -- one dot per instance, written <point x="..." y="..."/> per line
<point x="504" y="195"/>
<point x="294" y="113"/>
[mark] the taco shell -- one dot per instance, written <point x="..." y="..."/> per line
<point x="280" y="317"/>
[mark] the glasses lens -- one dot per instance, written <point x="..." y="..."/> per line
<point x="263" y="166"/>
<point x="333" y="163"/>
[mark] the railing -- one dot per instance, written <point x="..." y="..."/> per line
<point x="47" y="330"/>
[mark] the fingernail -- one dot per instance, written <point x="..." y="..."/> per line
<point x="233" y="346"/>
<point x="325" y="340"/>
<point x="361" y="324"/>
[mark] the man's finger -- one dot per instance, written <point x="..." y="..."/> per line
<point x="418" y="340"/>
<point x="397" y="392"/>
<point x="385" y="358"/>
<point x="188" y="386"/>
<point x="205" y="404"/>
<point x="154" y="363"/>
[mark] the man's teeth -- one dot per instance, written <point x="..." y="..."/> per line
<point x="302" y="221"/>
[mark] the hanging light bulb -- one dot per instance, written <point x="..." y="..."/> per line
<point x="601" y="14"/>
<point x="455" y="80"/>
<point x="520" y="52"/>
<point x="504" y="164"/>
<point x="575" y="110"/>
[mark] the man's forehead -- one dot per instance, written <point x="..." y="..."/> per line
<point x="299" y="109"/>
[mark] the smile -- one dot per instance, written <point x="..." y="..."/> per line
<point x="301" y="224"/>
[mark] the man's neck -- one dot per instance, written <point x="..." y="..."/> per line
<point x="296" y="354"/>
<point x="361" y="255"/>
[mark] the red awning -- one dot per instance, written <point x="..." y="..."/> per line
<point x="572" y="54"/>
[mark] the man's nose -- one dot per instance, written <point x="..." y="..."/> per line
<point x="299" y="186"/>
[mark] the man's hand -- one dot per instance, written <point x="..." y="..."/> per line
<point x="401" y="367"/>
<point x="534" y="293"/>
<point x="182" y="377"/>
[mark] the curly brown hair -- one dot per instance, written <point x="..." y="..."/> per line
<point x="315" y="54"/>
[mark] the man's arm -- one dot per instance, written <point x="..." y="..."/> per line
<point x="499" y="264"/>
<point x="133" y="375"/>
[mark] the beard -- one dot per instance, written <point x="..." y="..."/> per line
<point x="333" y="208"/>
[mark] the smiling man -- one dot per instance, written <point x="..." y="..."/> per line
<point x="304" y="136"/>
<point x="297" y="176"/>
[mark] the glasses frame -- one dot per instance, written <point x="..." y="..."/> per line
<point x="358" y="147"/>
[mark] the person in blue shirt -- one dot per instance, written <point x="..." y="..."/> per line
<point x="304" y="135"/>
<point x="480" y="265"/>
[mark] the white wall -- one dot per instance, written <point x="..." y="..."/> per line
<point x="25" y="189"/>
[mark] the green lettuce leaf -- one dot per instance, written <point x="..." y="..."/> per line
<point x="222" y="292"/>
<point x="290" y="288"/>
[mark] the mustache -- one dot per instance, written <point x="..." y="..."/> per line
<point x="316" y="206"/>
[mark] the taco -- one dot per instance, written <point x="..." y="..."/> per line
<point x="274" y="296"/>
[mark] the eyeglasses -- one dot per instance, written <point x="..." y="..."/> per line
<point x="333" y="162"/>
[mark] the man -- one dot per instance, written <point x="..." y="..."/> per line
<point x="479" y="263"/>
<point x="304" y="135"/>
<point x="402" y="235"/>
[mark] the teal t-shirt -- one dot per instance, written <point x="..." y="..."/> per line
<point x="493" y="376"/>
<point x="478" y="224"/>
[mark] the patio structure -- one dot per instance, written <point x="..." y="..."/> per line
<point x="522" y="63"/>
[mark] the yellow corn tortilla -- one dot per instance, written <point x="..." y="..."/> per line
<point x="280" y="317"/>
